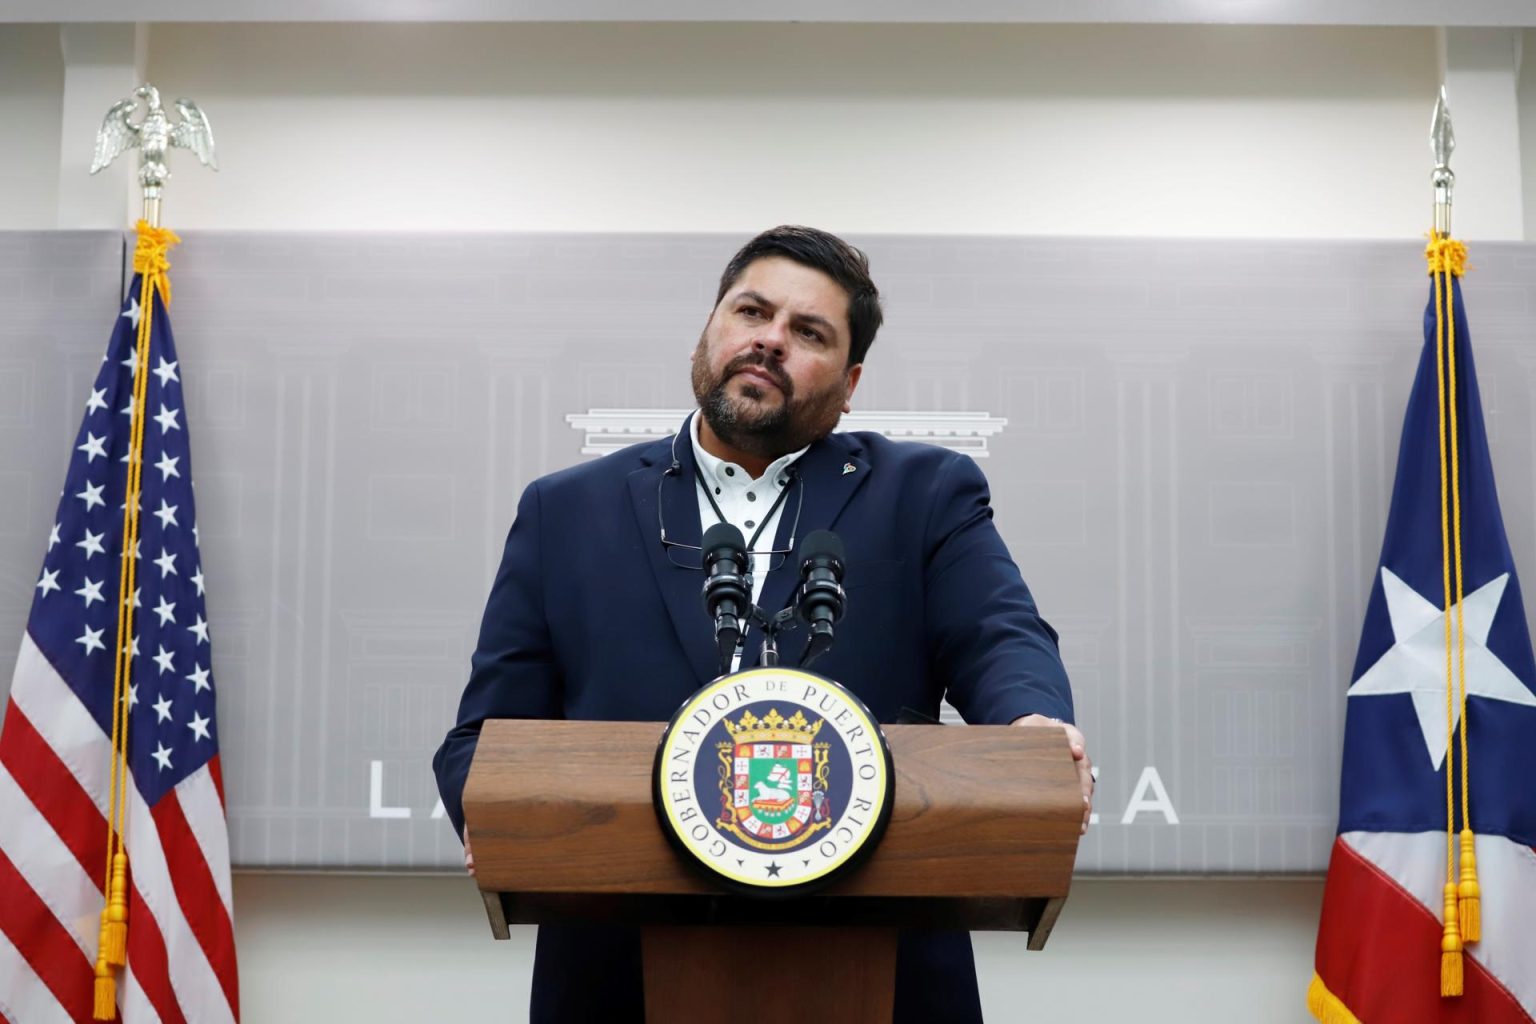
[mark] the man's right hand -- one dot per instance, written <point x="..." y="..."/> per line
<point x="469" y="858"/>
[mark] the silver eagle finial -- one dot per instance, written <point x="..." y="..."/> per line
<point x="153" y="136"/>
<point x="1442" y="142"/>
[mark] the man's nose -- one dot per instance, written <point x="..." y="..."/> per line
<point x="770" y="339"/>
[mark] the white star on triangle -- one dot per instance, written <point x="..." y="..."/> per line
<point x="132" y="362"/>
<point x="1415" y="664"/>
<point x="199" y="678"/>
<point x="167" y="563"/>
<point x="162" y="755"/>
<point x="199" y="629"/>
<point x="53" y="536"/>
<point x="98" y="400"/>
<point x="133" y="695"/>
<point x="162" y="708"/>
<point x="197" y="580"/>
<point x="167" y="466"/>
<point x="132" y="313"/>
<point x="165" y="659"/>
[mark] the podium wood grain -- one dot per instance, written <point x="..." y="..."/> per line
<point x="983" y="833"/>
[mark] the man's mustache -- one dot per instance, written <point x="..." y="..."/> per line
<point x="760" y="361"/>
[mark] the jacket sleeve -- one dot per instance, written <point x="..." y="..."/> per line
<point x="513" y="672"/>
<point x="996" y="656"/>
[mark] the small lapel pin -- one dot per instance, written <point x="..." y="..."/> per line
<point x="848" y="467"/>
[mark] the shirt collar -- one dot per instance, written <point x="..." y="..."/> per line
<point x="715" y="468"/>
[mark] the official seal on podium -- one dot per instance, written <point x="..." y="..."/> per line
<point x="774" y="781"/>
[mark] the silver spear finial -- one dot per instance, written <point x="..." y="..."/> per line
<point x="1442" y="142"/>
<point x="153" y="136"/>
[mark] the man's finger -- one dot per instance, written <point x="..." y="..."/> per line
<point x="1086" y="781"/>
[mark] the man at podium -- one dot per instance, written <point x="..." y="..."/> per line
<point x="595" y="612"/>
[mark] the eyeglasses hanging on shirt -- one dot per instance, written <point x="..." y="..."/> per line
<point x="694" y="557"/>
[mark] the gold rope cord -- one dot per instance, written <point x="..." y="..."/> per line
<point x="1447" y="259"/>
<point x="149" y="260"/>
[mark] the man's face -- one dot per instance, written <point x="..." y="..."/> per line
<point x="771" y="370"/>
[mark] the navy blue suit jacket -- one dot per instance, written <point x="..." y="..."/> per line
<point x="589" y="619"/>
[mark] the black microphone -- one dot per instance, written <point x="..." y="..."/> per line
<point x="820" y="597"/>
<point x="727" y="595"/>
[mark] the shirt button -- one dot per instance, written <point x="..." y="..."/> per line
<point x="750" y="524"/>
<point x="717" y="490"/>
<point x="729" y="471"/>
<point x="751" y="496"/>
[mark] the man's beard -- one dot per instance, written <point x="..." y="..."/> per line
<point x="765" y="433"/>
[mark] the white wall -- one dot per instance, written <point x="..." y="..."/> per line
<point x="31" y="92"/>
<point x="1526" y="97"/>
<point x="318" y="950"/>
<point x="1055" y="130"/>
<point x="1111" y="130"/>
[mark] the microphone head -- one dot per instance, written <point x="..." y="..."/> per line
<point x="723" y="539"/>
<point x="824" y="545"/>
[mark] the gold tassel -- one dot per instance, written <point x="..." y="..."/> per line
<point x="105" y="1005"/>
<point x="1327" y="1007"/>
<point x="1468" y="893"/>
<point x="1450" y="947"/>
<point x="114" y="919"/>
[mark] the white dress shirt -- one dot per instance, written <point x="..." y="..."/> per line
<point x="747" y="504"/>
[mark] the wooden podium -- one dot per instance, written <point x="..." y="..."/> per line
<point x="982" y="836"/>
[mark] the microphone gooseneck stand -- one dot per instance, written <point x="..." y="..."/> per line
<point x="819" y="600"/>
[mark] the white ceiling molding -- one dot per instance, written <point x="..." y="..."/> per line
<point x="1461" y="13"/>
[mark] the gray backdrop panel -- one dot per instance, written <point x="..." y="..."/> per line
<point x="1193" y="474"/>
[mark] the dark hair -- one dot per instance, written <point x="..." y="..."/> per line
<point x="819" y="250"/>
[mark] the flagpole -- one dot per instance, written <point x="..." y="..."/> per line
<point x="1442" y="142"/>
<point x="153" y="135"/>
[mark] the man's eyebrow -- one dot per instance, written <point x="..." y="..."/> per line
<point x="758" y="299"/>
<point x="754" y="297"/>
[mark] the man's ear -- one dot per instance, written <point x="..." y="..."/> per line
<point x="854" y="373"/>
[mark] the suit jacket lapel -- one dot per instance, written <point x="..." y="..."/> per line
<point x="681" y="588"/>
<point x="831" y="472"/>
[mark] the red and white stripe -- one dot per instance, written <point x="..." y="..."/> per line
<point x="1378" y="948"/>
<point x="54" y="770"/>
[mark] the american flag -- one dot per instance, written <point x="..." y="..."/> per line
<point x="56" y="742"/>
<point x="1384" y="909"/>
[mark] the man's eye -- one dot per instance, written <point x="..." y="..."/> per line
<point x="751" y="311"/>
<point x="811" y="334"/>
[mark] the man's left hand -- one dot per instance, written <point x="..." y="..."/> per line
<point x="1079" y="748"/>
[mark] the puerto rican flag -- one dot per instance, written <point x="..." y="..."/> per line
<point x="1378" y="945"/>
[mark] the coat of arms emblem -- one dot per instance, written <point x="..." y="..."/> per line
<point x="773" y="779"/>
<point x="774" y="795"/>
